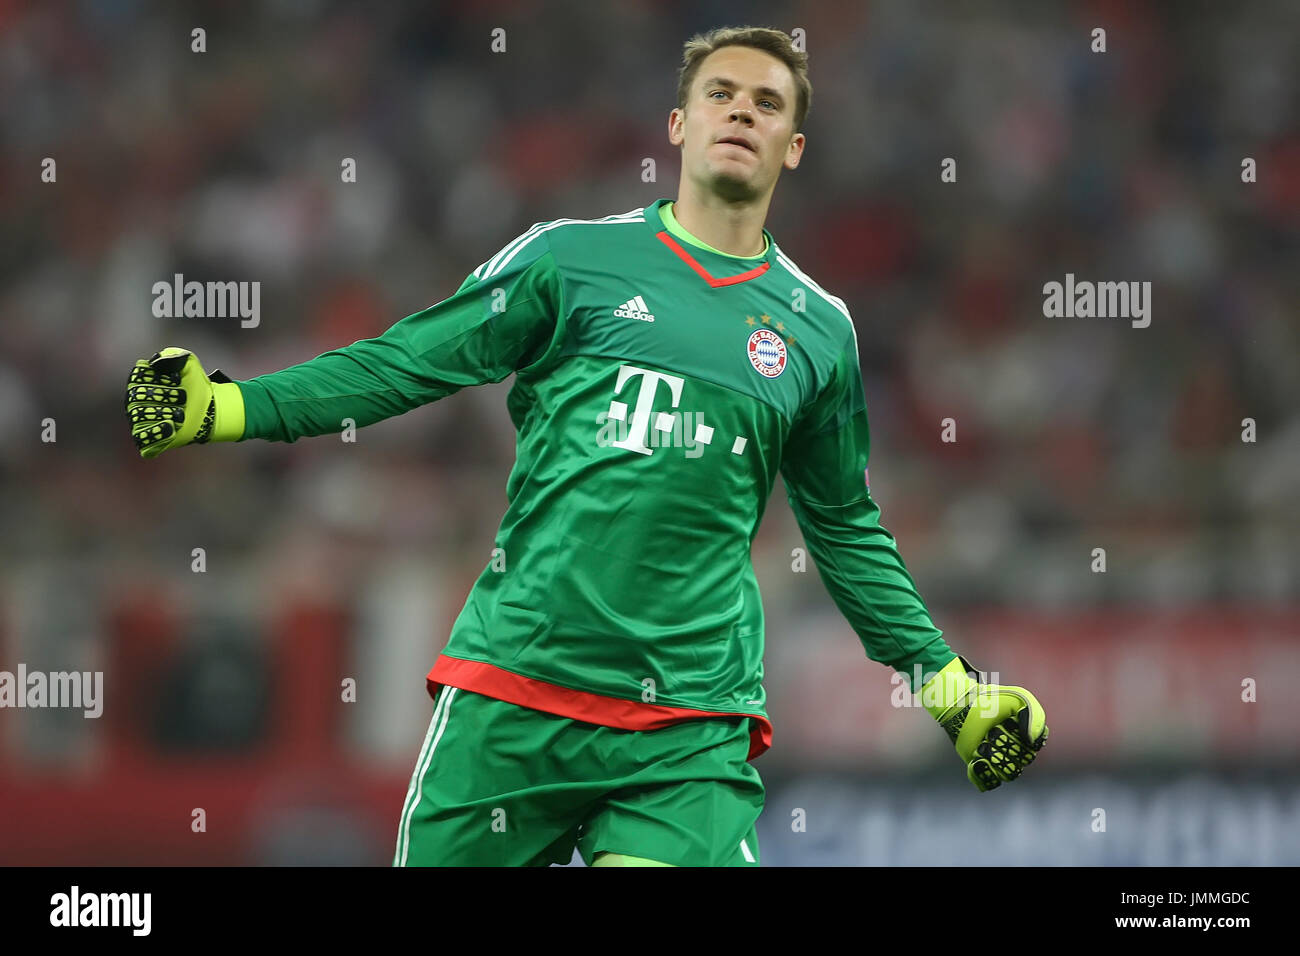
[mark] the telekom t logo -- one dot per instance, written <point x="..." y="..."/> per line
<point x="639" y="426"/>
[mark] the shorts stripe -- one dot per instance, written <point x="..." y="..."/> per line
<point x="416" y="788"/>
<point x="410" y="790"/>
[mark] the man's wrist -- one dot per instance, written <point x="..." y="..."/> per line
<point x="949" y="689"/>
<point x="228" y="412"/>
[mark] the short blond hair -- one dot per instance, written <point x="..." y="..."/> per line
<point x="779" y="44"/>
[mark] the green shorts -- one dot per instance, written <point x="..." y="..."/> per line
<point x="497" y="784"/>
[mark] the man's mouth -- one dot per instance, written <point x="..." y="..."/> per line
<point x="738" y="141"/>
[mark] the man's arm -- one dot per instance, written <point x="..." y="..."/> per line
<point x="506" y="317"/>
<point x="997" y="731"/>
<point x="824" y="466"/>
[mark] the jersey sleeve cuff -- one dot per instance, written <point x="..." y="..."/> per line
<point x="228" y="424"/>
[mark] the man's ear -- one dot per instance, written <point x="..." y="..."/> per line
<point x="677" y="126"/>
<point x="795" y="152"/>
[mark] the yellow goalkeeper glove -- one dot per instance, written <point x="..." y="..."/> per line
<point x="171" y="401"/>
<point x="997" y="730"/>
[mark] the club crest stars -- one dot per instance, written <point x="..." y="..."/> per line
<point x="766" y="350"/>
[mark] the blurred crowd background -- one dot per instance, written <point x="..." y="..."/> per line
<point x="1168" y="678"/>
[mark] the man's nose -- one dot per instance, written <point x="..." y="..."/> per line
<point x="742" y="112"/>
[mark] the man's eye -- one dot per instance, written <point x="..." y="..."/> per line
<point x="769" y="103"/>
<point x="716" y="92"/>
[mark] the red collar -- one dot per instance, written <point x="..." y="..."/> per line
<point x="715" y="282"/>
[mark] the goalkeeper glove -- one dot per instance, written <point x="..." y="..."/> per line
<point x="997" y="730"/>
<point x="171" y="401"/>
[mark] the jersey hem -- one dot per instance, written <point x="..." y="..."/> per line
<point x="492" y="681"/>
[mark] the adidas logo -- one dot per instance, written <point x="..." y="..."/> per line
<point x="635" y="308"/>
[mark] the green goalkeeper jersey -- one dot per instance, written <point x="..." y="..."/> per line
<point x="660" y="386"/>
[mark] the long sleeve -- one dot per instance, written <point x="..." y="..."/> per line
<point x="825" y="466"/>
<point x="506" y="317"/>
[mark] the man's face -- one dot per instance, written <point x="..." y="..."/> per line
<point x="742" y="94"/>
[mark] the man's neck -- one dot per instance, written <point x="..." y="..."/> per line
<point x="733" y="228"/>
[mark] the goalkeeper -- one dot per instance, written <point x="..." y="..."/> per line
<point x="604" y="692"/>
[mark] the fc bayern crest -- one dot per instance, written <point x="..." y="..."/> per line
<point x="767" y="353"/>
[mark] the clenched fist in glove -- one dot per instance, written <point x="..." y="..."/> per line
<point x="997" y="730"/>
<point x="171" y="401"/>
